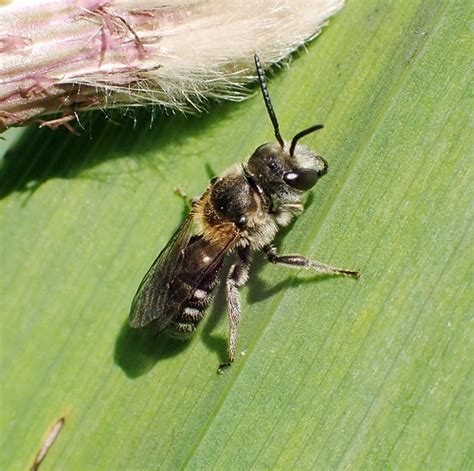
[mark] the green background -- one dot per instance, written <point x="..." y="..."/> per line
<point x="337" y="373"/>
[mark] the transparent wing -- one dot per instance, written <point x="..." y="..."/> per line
<point x="150" y="301"/>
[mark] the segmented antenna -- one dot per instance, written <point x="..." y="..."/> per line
<point x="267" y="100"/>
<point x="302" y="134"/>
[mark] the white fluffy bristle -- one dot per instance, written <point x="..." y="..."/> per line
<point x="70" y="56"/>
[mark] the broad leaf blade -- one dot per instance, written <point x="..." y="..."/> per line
<point x="336" y="373"/>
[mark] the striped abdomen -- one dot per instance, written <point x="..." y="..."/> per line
<point x="191" y="292"/>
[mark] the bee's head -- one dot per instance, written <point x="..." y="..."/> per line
<point x="285" y="170"/>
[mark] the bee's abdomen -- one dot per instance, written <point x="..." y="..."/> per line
<point x="192" y="313"/>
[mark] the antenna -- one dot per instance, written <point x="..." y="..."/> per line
<point x="268" y="101"/>
<point x="302" y="134"/>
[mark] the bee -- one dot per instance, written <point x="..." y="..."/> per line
<point x="240" y="212"/>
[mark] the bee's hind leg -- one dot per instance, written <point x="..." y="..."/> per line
<point x="237" y="277"/>
<point x="298" y="261"/>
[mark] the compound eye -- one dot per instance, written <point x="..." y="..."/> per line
<point x="302" y="179"/>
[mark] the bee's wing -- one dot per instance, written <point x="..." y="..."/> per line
<point x="149" y="302"/>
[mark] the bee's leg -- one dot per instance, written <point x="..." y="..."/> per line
<point x="237" y="277"/>
<point x="189" y="202"/>
<point x="284" y="213"/>
<point x="298" y="261"/>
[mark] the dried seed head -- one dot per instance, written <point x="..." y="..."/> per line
<point x="72" y="56"/>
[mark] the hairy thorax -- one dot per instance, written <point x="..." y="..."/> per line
<point x="232" y="208"/>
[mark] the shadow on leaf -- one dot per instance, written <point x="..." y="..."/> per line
<point x="138" y="350"/>
<point x="43" y="154"/>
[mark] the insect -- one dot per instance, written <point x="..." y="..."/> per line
<point x="240" y="212"/>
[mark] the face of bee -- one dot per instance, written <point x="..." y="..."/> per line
<point x="283" y="176"/>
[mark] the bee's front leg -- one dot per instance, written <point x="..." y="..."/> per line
<point x="237" y="277"/>
<point x="298" y="261"/>
<point x="188" y="201"/>
<point x="284" y="213"/>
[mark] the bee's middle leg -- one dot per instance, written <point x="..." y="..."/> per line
<point x="298" y="261"/>
<point x="237" y="277"/>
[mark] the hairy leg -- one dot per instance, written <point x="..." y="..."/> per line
<point x="298" y="261"/>
<point x="237" y="277"/>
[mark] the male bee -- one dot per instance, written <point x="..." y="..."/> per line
<point x="241" y="211"/>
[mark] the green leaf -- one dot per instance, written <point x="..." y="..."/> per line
<point x="337" y="373"/>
